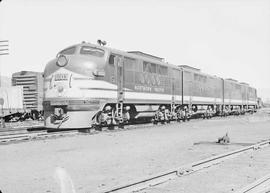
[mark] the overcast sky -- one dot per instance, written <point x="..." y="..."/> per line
<point x="228" y="38"/>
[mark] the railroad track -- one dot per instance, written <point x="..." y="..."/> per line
<point x="32" y="133"/>
<point x="261" y="185"/>
<point x="25" y="133"/>
<point x="19" y="129"/>
<point x="188" y="169"/>
<point x="14" y="138"/>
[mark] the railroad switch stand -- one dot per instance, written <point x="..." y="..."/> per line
<point x="224" y="140"/>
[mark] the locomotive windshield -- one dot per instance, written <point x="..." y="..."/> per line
<point x="68" y="51"/>
<point x="87" y="50"/>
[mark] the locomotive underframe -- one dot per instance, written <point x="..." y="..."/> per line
<point x="84" y="113"/>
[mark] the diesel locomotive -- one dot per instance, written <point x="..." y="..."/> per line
<point x="89" y="85"/>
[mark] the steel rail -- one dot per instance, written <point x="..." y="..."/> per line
<point x="21" y="128"/>
<point x="154" y="180"/>
<point x="32" y="136"/>
<point x="20" y="132"/>
<point x="261" y="185"/>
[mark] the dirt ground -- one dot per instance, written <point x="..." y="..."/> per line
<point x="23" y="124"/>
<point x="229" y="176"/>
<point x="99" y="162"/>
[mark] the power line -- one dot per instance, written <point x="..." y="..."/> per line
<point x="4" y="53"/>
<point x="4" y="44"/>
<point x="4" y="47"/>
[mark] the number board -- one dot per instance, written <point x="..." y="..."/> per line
<point x="61" y="77"/>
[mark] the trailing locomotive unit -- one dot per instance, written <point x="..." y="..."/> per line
<point x="89" y="84"/>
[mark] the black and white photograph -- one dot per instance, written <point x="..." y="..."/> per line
<point x="135" y="96"/>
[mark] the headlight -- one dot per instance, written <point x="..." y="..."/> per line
<point x="61" y="61"/>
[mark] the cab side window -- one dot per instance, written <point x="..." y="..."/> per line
<point x="111" y="59"/>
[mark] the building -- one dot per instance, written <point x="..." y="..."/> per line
<point x="32" y="83"/>
<point x="11" y="100"/>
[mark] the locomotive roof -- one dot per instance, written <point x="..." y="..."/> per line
<point x="243" y="83"/>
<point x="147" y="55"/>
<point x="189" y="67"/>
<point x="153" y="59"/>
<point x="133" y="54"/>
<point x="239" y="83"/>
<point x="233" y="80"/>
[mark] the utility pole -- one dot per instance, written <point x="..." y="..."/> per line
<point x="3" y="51"/>
<point x="4" y="47"/>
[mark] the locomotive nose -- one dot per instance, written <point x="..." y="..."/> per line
<point x="81" y="66"/>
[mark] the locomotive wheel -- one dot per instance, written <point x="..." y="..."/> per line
<point x="121" y="126"/>
<point x="97" y="128"/>
<point x="111" y="127"/>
